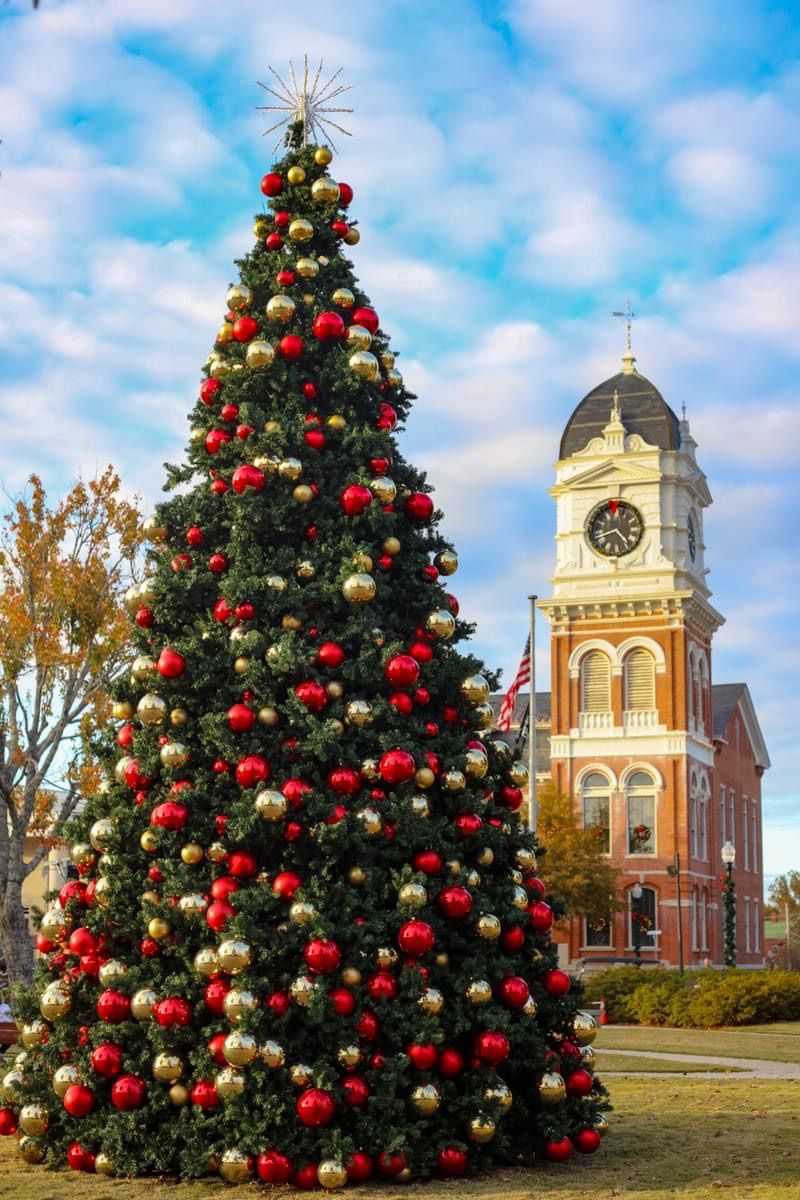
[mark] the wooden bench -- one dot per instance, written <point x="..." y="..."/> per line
<point x="8" y="1033"/>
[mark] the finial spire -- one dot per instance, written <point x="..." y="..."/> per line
<point x="615" y="408"/>
<point x="628" y="358"/>
<point x="306" y="102"/>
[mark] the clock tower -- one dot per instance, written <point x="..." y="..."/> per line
<point x="631" y="628"/>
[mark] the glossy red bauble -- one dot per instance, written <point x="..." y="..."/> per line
<point x="315" y="1107"/>
<point x="218" y="563"/>
<point x="312" y="694"/>
<point x="223" y="887"/>
<point x="556" y="982"/>
<point x="509" y="797"/>
<point x="421" y="651"/>
<point x="215" y="1045"/>
<point x="402" y="670"/>
<point x="73" y="890"/>
<point x="423" y="1055"/>
<point x="173" y="1010"/>
<point x="241" y="718"/>
<point x="322" y="957"/>
<point x="342" y="1001"/>
<point x="558" y="1151"/>
<point x="356" y="1090"/>
<point x="345" y="194"/>
<point x="242" y="864"/>
<point x="535" y="886"/>
<point x="451" y="1162"/>
<point x="203" y="1094"/>
<point x="113" y="1006"/>
<point x="252" y="770"/>
<point x="491" y="1047"/>
<point x="247" y="477"/>
<point x="245" y="329"/>
<point x="355" y="498"/>
<point x="306" y="1178"/>
<point x="513" y="939"/>
<point x="286" y="883"/>
<point x="382" y="986"/>
<point x="365" y="316"/>
<point x="170" y="815"/>
<point x="171" y="663"/>
<point x="358" y="1167"/>
<point x="578" y="1083"/>
<point x="586" y="1141"/>
<point x="397" y="766"/>
<point x="402" y="702"/>
<point x="387" y="417"/>
<point x="82" y="941"/>
<point x="215" y="440"/>
<point x="416" y="938"/>
<point x="428" y="861"/>
<point x="214" y="995"/>
<point x="274" y="1167"/>
<point x="541" y="917"/>
<point x="125" y="736"/>
<point x="328" y="326"/>
<point x="291" y="347"/>
<point x="272" y="184"/>
<point x="467" y="823"/>
<point x="345" y="781"/>
<point x="222" y="610"/>
<point x="145" y="618"/>
<point x="513" y="991"/>
<point x="418" y="506"/>
<point x="78" y="1159"/>
<point x="368" y="1026"/>
<point x="283" y="220"/>
<point x="273" y="241"/>
<point x="218" y="914"/>
<point x="330" y="654"/>
<point x="106" y="1059"/>
<point x="391" y="1164"/>
<point x="451" y="1062"/>
<point x="455" y="902"/>
<point x="78" y="1100"/>
<point x="8" y="1122"/>
<point x="340" y="228"/>
<point x="315" y="438"/>
<point x="209" y="389"/>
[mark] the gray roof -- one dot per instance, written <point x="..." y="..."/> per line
<point x="724" y="698"/>
<point x="643" y="410"/>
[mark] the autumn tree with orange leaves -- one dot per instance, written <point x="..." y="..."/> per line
<point x="63" y="570"/>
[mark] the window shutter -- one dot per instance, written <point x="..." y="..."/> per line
<point x="640" y="682"/>
<point x="596" y="683"/>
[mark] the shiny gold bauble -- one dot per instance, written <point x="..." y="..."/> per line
<point x="301" y="230"/>
<point x="352" y="237"/>
<point x="239" y="296"/>
<point x="370" y="821"/>
<point x="277" y="583"/>
<point x="142" y="1004"/>
<point x="123" y="709"/>
<point x="323" y="155"/>
<point x="431" y="1001"/>
<point x="229" y="1082"/>
<point x="519" y="897"/>
<point x="530" y="1007"/>
<point x="111" y="972"/>
<point x="489" y="927"/>
<point x="270" y="805"/>
<point x="82" y="854"/>
<point x="391" y="546"/>
<point x="331" y="1173"/>
<point x="454" y="867"/>
<point x="191" y="854"/>
<point x="12" y="1087"/>
<point x="280" y="308"/>
<point x="290" y="468"/>
<point x="53" y="924"/>
<point x="472" y="878"/>
<point x="425" y="1099"/>
<point x="303" y="991"/>
<point x="442" y="959"/>
<point x="239" y="1048"/>
<point x="272" y="655"/>
<point x="358" y="713"/>
<point x="261" y="227"/>
<point x="241" y="665"/>
<point x="167" y="1068"/>
<point x="173" y="755"/>
<point x="305" y="569"/>
<point x="356" y="876"/>
<point x="206" y="961"/>
<point x="159" y="929"/>
<point x="479" y="991"/>
<point x="31" y="1150"/>
<point x="378" y="637"/>
<point x="359" y="588"/>
<point x="424" y="777"/>
<point x="272" y="1054"/>
<point x="148" y="840"/>
<point x="601" y="1124"/>
<point x="526" y="859"/>
<point x="192" y="904"/>
<point x="446" y="562"/>
<point x="290" y="621"/>
<point x="238" y="1003"/>
<point x="101" y="834"/>
<point x="476" y="764"/>
<point x="303" y="493"/>
<point x="268" y="716"/>
<point x="362" y="561"/>
<point x="481" y="1129"/>
<point x="216" y="852"/>
<point x="383" y="489"/>
<point x="103" y="1163"/>
<point x="33" y="1119"/>
<point x="454" y="781"/>
<point x="154" y="530"/>
<point x="386" y="957"/>
<point x="101" y="892"/>
<point x="151" y="709"/>
<point x="518" y="774"/>
<point x="585" y="1028"/>
<point x="343" y="297"/>
<point x="307" y="268"/>
<point x="349" y="1056"/>
<point x="34" y="1033"/>
<point x="259" y="353"/>
<point x="552" y="1088"/>
<point x="141" y="668"/>
<point x="301" y="1074"/>
<point x="420" y="807"/>
<point x="441" y="624"/>
<point x="394" y="379"/>
<point x="218" y="368"/>
<point x="351" y="976"/>
<point x="336" y="422"/>
<point x="325" y="191"/>
<point x="588" y="1059"/>
<point x="483" y="716"/>
<point x="301" y="912"/>
<point x="54" y="1002"/>
<point x="474" y="689"/>
<point x="225" y="332"/>
<point x="234" y="955"/>
<point x="413" y="895"/>
<point x="358" y="338"/>
<point x="235" y="1166"/>
<point x="296" y="175"/>
<point x="370" y="769"/>
<point x="334" y="689"/>
<point x="499" y="1093"/>
<point x="365" y="365"/>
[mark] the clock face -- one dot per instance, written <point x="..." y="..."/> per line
<point x="692" y="539"/>
<point x="614" y="528"/>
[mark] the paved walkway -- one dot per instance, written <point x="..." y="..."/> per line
<point x="746" y="1068"/>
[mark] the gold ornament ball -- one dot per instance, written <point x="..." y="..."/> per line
<point x="239" y="296"/>
<point x="518" y="774"/>
<point x="479" y="991"/>
<point x="238" y="1003"/>
<point x="260" y="227"/>
<point x="454" y="781"/>
<point x="358" y="338"/>
<point x="352" y="237"/>
<point x="270" y="805"/>
<point x="442" y="959"/>
<point x="239" y="1048"/>
<point x="53" y="924"/>
<point x="519" y="897"/>
<point x="441" y="624"/>
<point x="383" y="489"/>
<point x="391" y="546"/>
<point x="530" y="1008"/>
<point x="142" y="1004"/>
<point x="431" y="1001"/>
<point x="301" y="1074"/>
<point x="31" y="1150"/>
<point x="101" y="892"/>
<point x="206" y="961"/>
<point x="334" y="689"/>
<point x="386" y="957"/>
<point x="235" y="1166"/>
<point x="476" y="764"/>
<point x="303" y="991"/>
<point x="420" y="807"/>
<point x="475" y="689"/>
<point x="82" y="854"/>
<point x="356" y="876"/>
<point x="191" y="854"/>
<point x="268" y="717"/>
<point x="305" y="569"/>
<point x="159" y="929"/>
<point x="370" y="769"/>
<point x="12" y="1087"/>
<point x="585" y="1028"/>
<point x="303" y="493"/>
<point x="349" y="1056"/>
<point x="362" y="561"/>
<point x="331" y="1174"/>
<point x="481" y="1129"/>
<point x="234" y="955"/>
<point x="216" y="852"/>
<point x="394" y="379"/>
<point x="302" y="913"/>
<point x="588" y="1060"/>
<point x="424" y="777"/>
<point x="323" y="156"/>
<point x="413" y="894"/>
<point x="526" y="859"/>
<point x="218" y="368"/>
<point x="472" y="878"/>
<point x="453" y="866"/>
<point x="489" y="927"/>
<point x="351" y="976"/>
<point x="154" y="530"/>
<point x="325" y="190"/>
<point x="241" y="665"/>
<point x="229" y="1082"/>
<point x="280" y="308"/>
<point x="446" y="562"/>
<point x="365" y="365"/>
<point x="358" y="713"/>
<point x="378" y="638"/>
<point x="34" y="1033"/>
<point x="174" y="755"/>
<point x="552" y="1088"/>
<point x="33" y="1119"/>
<point x="54" y="1002"/>
<point x="600" y="1123"/>
<point x="103" y="1163"/>
<point x="290" y="468"/>
<point x="296" y="175"/>
<point x="483" y="716"/>
<point x="141" y="668"/>
<point x="272" y="1054"/>
<point x="225" y="332"/>
<point x="123" y="710"/>
<point x="499" y="1093"/>
<point x="151" y="709"/>
<point x="343" y="297"/>
<point x="371" y="821"/>
<point x="101" y="834"/>
<point x="111" y="972"/>
<point x="425" y="1099"/>
<point x="148" y="841"/>
<point x="301" y="230"/>
<point x="359" y="588"/>
<point x="307" y="268"/>
<point x="259" y="353"/>
<point x="337" y="422"/>
<point x="167" y="1068"/>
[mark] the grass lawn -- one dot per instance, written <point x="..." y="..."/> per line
<point x="609" y="1064"/>
<point x="778" y="1043"/>
<point x="680" y="1139"/>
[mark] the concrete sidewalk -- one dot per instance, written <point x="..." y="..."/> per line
<point x="746" y="1068"/>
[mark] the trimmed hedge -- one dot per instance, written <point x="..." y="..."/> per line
<point x="697" y="999"/>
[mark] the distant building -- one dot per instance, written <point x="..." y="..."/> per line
<point x="664" y="764"/>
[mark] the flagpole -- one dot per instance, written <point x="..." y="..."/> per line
<point x="533" y="808"/>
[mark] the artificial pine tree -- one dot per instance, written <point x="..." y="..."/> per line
<point x="307" y="941"/>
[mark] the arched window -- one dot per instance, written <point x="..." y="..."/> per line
<point x="690" y="679"/>
<point x="596" y="797"/>
<point x="640" y="680"/>
<point x="596" y="682"/>
<point x="642" y="912"/>
<point x="702" y="820"/>
<point x="640" y="795"/>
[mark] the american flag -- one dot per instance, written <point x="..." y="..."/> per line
<point x="522" y="676"/>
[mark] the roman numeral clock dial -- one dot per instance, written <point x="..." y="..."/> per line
<point x="614" y="528"/>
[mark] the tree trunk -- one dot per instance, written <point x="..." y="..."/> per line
<point x="16" y="943"/>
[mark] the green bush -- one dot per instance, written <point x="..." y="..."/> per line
<point x="697" y="999"/>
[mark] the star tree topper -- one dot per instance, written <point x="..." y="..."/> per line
<point x="307" y="102"/>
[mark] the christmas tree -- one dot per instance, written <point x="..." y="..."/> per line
<point x="307" y="941"/>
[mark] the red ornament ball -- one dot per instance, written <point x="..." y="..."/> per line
<point x="113" y="1006"/>
<point x="247" y="476"/>
<point x="342" y="1001"/>
<point x="312" y="695"/>
<point x="355" y="498"/>
<point x="106" y="1059"/>
<point x="356" y="1090"/>
<point x="145" y="618"/>
<point x="285" y="884"/>
<point x="418" y="506"/>
<point x="397" y="766"/>
<point x="305" y="1177"/>
<point x="541" y="918"/>
<point x="82" y="941"/>
<point x="427" y="861"/>
<point x="513" y="992"/>
<point x="578" y="1083"/>
<point x="274" y="1168"/>
<point x="245" y="329"/>
<point x="451" y="1162"/>
<point x="209" y="389"/>
<point x="330" y="654"/>
<point x="586" y="1141"/>
<point x="421" y="651"/>
<point x="78" y="1100"/>
<point x="328" y="326"/>
<point x="315" y="1107"/>
<point x="423" y="1055"/>
<point x="173" y="1010"/>
<point x="203" y="1094"/>
<point x="217" y="916"/>
<point x="8" y="1122"/>
<point x="345" y="781"/>
<point x="402" y="670"/>
<point x="513" y="939"/>
<point x="72" y="890"/>
<point x="273" y="241"/>
<point x="556" y="982"/>
<point x="358" y="1166"/>
<point x="455" y="902"/>
<point x="491" y="1047"/>
<point x="365" y="315"/>
<point x="558" y="1151"/>
<point x="272" y="184"/>
<point x="241" y="718"/>
<point x="128" y="1093"/>
<point x="322" y="957"/>
<point x="391" y="1164"/>
<point x="171" y="664"/>
<point x="451" y="1062"/>
<point x="291" y="347"/>
<point x="416" y="938"/>
<point x="252" y="770"/>
<point x="242" y="864"/>
<point x="382" y="986"/>
<point x="170" y="815"/>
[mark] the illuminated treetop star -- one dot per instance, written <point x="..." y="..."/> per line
<point x="306" y="103"/>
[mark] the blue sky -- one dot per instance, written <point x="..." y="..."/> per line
<point x="519" y="168"/>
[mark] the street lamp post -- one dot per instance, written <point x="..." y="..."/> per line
<point x="729" y="904"/>
<point x="636" y="922"/>
<point x="674" y="870"/>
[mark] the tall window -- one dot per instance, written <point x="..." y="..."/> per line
<point x="695" y="939"/>
<point x="596" y="682"/>
<point x="756" y="928"/>
<point x="640" y="680"/>
<point x="754" y="835"/>
<point x="596" y="796"/>
<point x="745" y="835"/>
<point x="597" y="932"/>
<point x="640" y="796"/>
<point x="723" y="819"/>
<point x="693" y="816"/>
<point x="646" y="909"/>
<point x="702" y="821"/>
<point x="747" y="924"/>
<point x="732" y="815"/>
<point x="704" y="919"/>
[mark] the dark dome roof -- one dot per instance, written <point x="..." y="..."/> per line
<point x="643" y="410"/>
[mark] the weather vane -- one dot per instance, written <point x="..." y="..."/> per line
<point x="628" y="357"/>
<point x="306" y="102"/>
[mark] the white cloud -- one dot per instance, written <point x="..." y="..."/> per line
<point x="581" y="241"/>
<point x="720" y="184"/>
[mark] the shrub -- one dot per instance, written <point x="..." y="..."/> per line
<point x="697" y="999"/>
<point x="651" y="1002"/>
<point x="615" y="986"/>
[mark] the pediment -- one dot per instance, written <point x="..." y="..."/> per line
<point x="613" y="470"/>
